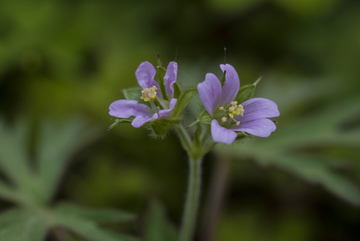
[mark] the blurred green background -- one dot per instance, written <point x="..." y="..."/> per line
<point x="61" y="60"/>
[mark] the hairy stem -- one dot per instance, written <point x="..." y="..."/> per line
<point x="184" y="138"/>
<point x="192" y="200"/>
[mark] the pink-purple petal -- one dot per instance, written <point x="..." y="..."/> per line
<point x="170" y="78"/>
<point x="167" y="112"/>
<point x="231" y="86"/>
<point x="221" y="134"/>
<point x="259" y="127"/>
<point x="210" y="92"/>
<point x="145" y="75"/>
<point x="127" y="108"/>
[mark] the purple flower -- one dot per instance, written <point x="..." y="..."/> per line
<point x="143" y="113"/>
<point x="229" y="117"/>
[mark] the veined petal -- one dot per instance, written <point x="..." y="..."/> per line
<point x="168" y="111"/>
<point x="127" y="108"/>
<point x="145" y="75"/>
<point x="170" y="79"/>
<point x="231" y="86"/>
<point x="259" y="127"/>
<point x="221" y="134"/>
<point x="209" y="92"/>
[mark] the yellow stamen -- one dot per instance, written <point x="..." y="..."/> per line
<point x="238" y="123"/>
<point x="224" y="119"/>
<point x="234" y="102"/>
<point x="148" y="94"/>
<point x="236" y="109"/>
<point x="231" y="116"/>
<point x="221" y="108"/>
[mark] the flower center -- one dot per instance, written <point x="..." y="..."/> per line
<point x="149" y="94"/>
<point x="233" y="111"/>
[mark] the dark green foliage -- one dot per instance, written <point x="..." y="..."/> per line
<point x="33" y="188"/>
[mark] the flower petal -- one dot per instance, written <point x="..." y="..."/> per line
<point x="231" y="86"/>
<point x="127" y="108"/>
<point x="209" y="92"/>
<point x="145" y="75"/>
<point x="170" y="78"/>
<point x="168" y="111"/>
<point x="221" y="134"/>
<point x="259" y="127"/>
<point x="141" y="120"/>
<point x="258" y="108"/>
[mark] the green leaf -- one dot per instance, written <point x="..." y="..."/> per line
<point x="133" y="93"/>
<point x="118" y="122"/>
<point x="318" y="172"/>
<point x="246" y="92"/>
<point x="6" y="192"/>
<point x="13" y="153"/>
<point x="177" y="90"/>
<point x="22" y="225"/>
<point x="87" y="228"/>
<point x="183" y="101"/>
<point x="205" y="117"/>
<point x="157" y="227"/>
<point x="102" y="215"/>
<point x="56" y="145"/>
<point x="160" y="126"/>
<point x="318" y="130"/>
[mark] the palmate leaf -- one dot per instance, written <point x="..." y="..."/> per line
<point x="34" y="189"/>
<point x="33" y="225"/>
<point x="283" y="148"/>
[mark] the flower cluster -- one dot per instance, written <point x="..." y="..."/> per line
<point x="228" y="117"/>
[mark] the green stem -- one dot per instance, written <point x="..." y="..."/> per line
<point x="192" y="200"/>
<point x="184" y="138"/>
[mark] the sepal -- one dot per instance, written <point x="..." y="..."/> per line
<point x="242" y="135"/>
<point x="133" y="93"/>
<point x="117" y="122"/>
<point x="183" y="101"/>
<point x="177" y="90"/>
<point x="160" y="126"/>
<point x="246" y="92"/>
<point x="161" y="73"/>
<point x="204" y="117"/>
<point x="222" y="81"/>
